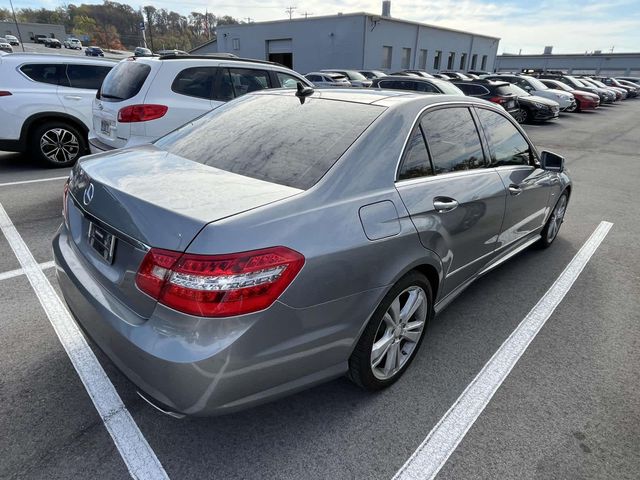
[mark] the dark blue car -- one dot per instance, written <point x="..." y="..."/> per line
<point x="93" y="52"/>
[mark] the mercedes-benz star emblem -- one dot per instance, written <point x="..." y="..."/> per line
<point x="88" y="194"/>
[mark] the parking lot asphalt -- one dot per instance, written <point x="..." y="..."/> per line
<point x="40" y="48"/>
<point x="570" y="408"/>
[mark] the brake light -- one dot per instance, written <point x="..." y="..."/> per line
<point x="499" y="100"/>
<point x="5" y="93"/>
<point x="141" y="113"/>
<point x="218" y="285"/>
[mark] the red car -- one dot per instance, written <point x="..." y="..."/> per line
<point x="584" y="100"/>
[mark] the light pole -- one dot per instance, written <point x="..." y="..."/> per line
<point x="17" y="27"/>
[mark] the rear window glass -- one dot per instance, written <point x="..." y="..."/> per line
<point x="275" y="138"/>
<point x="43" y="72"/>
<point x="124" y="81"/>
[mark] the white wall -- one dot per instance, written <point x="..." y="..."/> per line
<point x="607" y="64"/>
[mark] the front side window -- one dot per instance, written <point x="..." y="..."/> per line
<point x="387" y="53"/>
<point x="43" y="72"/>
<point x="415" y="162"/>
<point x="286" y="80"/>
<point x="245" y="80"/>
<point x="195" y="82"/>
<point x="508" y="146"/>
<point x="453" y="140"/>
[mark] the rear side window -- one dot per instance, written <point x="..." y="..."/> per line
<point x="195" y="82"/>
<point x="44" y="72"/>
<point x="453" y="140"/>
<point x="508" y="146"/>
<point x="273" y="137"/>
<point x="124" y="81"/>
<point x="472" y="90"/>
<point x="86" y="76"/>
<point x="416" y="158"/>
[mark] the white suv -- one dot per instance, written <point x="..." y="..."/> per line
<point x="45" y="104"/>
<point x="144" y="98"/>
<point x="534" y="86"/>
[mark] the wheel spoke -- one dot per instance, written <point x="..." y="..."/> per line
<point x="390" y="364"/>
<point x="394" y="310"/>
<point x="380" y="349"/>
<point x="388" y="321"/>
<point x="411" y="336"/>
<point x="415" y="300"/>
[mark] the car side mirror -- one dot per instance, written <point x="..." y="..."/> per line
<point x="552" y="161"/>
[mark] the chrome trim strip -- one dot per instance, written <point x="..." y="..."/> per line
<point x="509" y="255"/>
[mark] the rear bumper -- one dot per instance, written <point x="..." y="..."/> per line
<point x="202" y="366"/>
<point x="96" y="146"/>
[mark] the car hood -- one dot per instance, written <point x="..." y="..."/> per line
<point x="537" y="99"/>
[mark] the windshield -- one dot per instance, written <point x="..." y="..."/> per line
<point x="276" y="138"/>
<point x="559" y="86"/>
<point x="598" y="83"/>
<point x="537" y="84"/>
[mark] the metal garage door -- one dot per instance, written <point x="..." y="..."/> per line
<point x="280" y="46"/>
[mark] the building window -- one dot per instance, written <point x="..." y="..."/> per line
<point x="422" y="65"/>
<point x="463" y="61"/>
<point x="406" y="58"/>
<point x="236" y="44"/>
<point x="436" y="60"/>
<point x="387" y="55"/>
<point x="484" y="63"/>
<point x="451" y="61"/>
<point x="474" y="60"/>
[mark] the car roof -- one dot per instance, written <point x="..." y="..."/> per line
<point x="219" y="59"/>
<point x="22" y="57"/>
<point x="480" y="81"/>
<point x="410" y="78"/>
<point x="382" y="97"/>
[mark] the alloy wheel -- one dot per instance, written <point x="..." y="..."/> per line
<point x="59" y="145"/>
<point x="557" y="217"/>
<point x="399" y="332"/>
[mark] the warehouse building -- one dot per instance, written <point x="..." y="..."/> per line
<point x="356" y="40"/>
<point x="28" y="31"/>
<point x="598" y="63"/>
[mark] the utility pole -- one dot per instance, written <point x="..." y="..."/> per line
<point x="290" y="11"/>
<point x="306" y="14"/>
<point x="17" y="27"/>
<point x="206" y="23"/>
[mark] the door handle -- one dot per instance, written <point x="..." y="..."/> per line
<point x="515" y="190"/>
<point x="72" y="97"/>
<point x="444" y="204"/>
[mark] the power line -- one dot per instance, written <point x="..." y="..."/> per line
<point x="290" y="11"/>
<point x="306" y="14"/>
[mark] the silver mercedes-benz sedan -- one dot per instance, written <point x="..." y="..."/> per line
<point x="291" y="237"/>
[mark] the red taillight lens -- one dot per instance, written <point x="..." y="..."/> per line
<point x="141" y="113"/>
<point x="499" y="100"/>
<point x="4" y="93"/>
<point x="218" y="285"/>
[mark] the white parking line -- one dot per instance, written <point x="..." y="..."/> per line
<point x="432" y="454"/>
<point x="138" y="456"/>
<point x="19" y="271"/>
<point x="22" y="182"/>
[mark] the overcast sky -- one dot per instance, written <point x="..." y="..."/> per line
<point x="527" y="25"/>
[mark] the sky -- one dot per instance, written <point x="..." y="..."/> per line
<point x="523" y="25"/>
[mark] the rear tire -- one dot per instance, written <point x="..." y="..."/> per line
<point x="552" y="227"/>
<point x="57" y="143"/>
<point x="392" y="337"/>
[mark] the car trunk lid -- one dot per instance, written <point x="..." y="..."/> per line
<point x="122" y="203"/>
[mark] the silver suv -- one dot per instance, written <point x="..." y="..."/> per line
<point x="144" y="98"/>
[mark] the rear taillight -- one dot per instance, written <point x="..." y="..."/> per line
<point x="141" y="113"/>
<point x="499" y="100"/>
<point x="218" y="285"/>
<point x="5" y="93"/>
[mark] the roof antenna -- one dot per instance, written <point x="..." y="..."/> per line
<point x="303" y="91"/>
